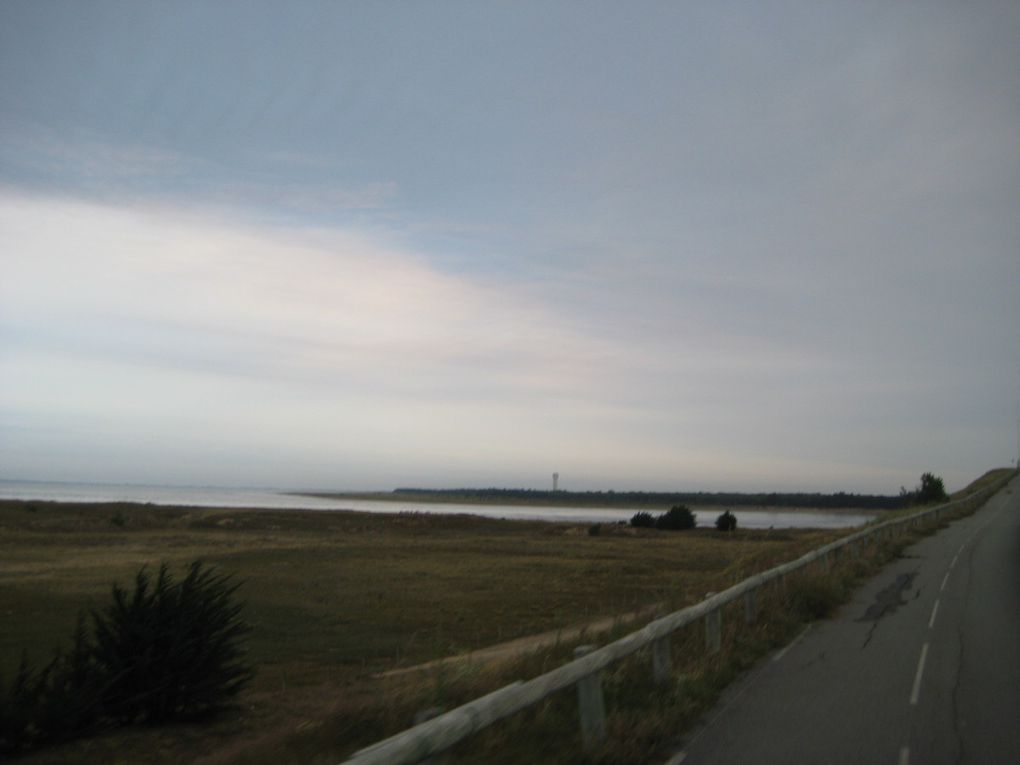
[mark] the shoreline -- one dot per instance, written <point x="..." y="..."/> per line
<point x="749" y="518"/>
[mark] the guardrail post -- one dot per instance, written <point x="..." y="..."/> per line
<point x="825" y="562"/>
<point x="662" y="663"/>
<point x="749" y="607"/>
<point x="590" y="705"/>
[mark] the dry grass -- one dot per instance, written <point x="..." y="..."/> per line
<point x="989" y="479"/>
<point x="336" y="598"/>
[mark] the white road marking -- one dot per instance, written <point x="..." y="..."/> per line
<point x="905" y="755"/>
<point x="791" y="644"/>
<point x="953" y="562"/>
<point x="934" y="610"/>
<point x="944" y="580"/>
<point x="676" y="759"/>
<point x="915" y="693"/>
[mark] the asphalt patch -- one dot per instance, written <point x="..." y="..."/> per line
<point x="889" y="599"/>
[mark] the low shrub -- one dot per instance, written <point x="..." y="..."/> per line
<point x="678" y="518"/>
<point x="929" y="491"/>
<point x="726" y="522"/>
<point x="162" y="652"/>
<point x="642" y="520"/>
<point x="173" y="650"/>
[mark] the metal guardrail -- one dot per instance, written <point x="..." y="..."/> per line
<point x="446" y="730"/>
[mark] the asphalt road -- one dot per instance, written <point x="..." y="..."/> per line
<point x="922" y="666"/>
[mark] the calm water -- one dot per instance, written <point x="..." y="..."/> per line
<point x="279" y="500"/>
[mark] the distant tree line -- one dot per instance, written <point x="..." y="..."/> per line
<point x="661" y="499"/>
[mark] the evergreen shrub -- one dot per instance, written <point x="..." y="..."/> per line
<point x="165" y="651"/>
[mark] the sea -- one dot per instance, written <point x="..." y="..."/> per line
<point x="280" y="499"/>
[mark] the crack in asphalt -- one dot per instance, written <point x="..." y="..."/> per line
<point x="886" y="602"/>
<point x="871" y="633"/>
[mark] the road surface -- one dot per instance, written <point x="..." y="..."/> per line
<point x="922" y="666"/>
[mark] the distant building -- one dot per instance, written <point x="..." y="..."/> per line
<point x="556" y="481"/>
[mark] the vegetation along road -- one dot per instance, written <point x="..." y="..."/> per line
<point x="921" y="666"/>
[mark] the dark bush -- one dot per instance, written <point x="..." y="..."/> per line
<point x="173" y="650"/>
<point x="17" y="708"/>
<point x="931" y="490"/>
<point x="163" y="652"/>
<point x="70" y="692"/>
<point x="678" y="518"/>
<point x="642" y="521"/>
<point x="59" y="702"/>
<point x="726" y="522"/>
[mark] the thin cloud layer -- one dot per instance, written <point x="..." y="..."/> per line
<point x="323" y="327"/>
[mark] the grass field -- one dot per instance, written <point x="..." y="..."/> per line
<point x="335" y="598"/>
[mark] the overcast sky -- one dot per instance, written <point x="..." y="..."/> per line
<point x="701" y="246"/>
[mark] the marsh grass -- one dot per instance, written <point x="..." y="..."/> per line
<point x="336" y="598"/>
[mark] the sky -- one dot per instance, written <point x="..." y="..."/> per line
<point x="646" y="245"/>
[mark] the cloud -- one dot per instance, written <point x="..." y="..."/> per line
<point x="119" y="173"/>
<point x="43" y="154"/>
<point x="169" y="327"/>
<point x="307" y="305"/>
